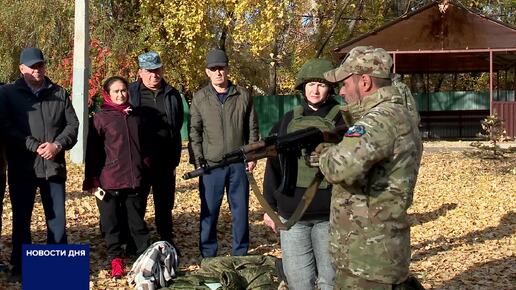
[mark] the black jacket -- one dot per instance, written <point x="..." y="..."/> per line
<point x="175" y="115"/>
<point x="283" y="204"/>
<point x="28" y="120"/>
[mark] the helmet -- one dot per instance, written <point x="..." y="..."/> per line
<point x="313" y="70"/>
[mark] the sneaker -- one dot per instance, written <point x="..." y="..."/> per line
<point x="117" y="268"/>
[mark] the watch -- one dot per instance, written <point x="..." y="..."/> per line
<point x="59" y="146"/>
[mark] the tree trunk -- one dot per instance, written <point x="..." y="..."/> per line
<point x="358" y="12"/>
<point x="439" y="83"/>
<point x="455" y="77"/>
<point x="224" y="34"/>
<point x="271" y="90"/>
<point x="417" y="83"/>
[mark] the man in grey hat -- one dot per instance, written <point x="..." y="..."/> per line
<point x="373" y="171"/>
<point x="38" y="123"/>
<point x="222" y="119"/>
<point x="162" y="109"/>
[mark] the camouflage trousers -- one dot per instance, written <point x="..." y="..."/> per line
<point x="344" y="280"/>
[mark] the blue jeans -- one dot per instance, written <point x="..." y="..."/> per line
<point x="23" y="192"/>
<point x="233" y="179"/>
<point x="306" y="256"/>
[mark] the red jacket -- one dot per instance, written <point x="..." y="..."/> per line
<point x="114" y="153"/>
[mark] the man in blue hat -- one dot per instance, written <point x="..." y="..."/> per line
<point x="38" y="123"/>
<point x="162" y="109"/>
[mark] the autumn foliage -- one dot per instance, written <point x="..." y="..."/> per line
<point x="462" y="221"/>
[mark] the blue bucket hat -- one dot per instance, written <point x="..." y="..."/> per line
<point x="149" y="60"/>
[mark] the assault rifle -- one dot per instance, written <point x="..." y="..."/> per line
<point x="291" y="144"/>
<point x="288" y="148"/>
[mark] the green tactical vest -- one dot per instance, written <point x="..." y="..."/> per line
<point x="305" y="174"/>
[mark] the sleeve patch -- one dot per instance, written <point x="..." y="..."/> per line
<point x="355" y="131"/>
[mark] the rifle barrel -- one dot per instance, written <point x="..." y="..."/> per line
<point x="192" y="174"/>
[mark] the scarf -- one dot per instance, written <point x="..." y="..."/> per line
<point x="125" y="108"/>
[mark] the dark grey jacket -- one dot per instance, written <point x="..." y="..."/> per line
<point x="28" y="120"/>
<point x="216" y="128"/>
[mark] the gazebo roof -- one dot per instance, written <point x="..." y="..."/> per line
<point x="442" y="37"/>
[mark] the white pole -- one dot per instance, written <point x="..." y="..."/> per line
<point x="80" y="78"/>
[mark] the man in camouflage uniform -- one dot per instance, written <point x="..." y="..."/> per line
<point x="374" y="171"/>
<point x="408" y="99"/>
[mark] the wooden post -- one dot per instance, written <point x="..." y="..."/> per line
<point x="394" y="62"/>
<point x="490" y="82"/>
<point x="80" y="77"/>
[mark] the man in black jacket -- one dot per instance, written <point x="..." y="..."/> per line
<point x="38" y="123"/>
<point x="162" y="109"/>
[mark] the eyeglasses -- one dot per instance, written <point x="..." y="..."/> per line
<point x="216" y="68"/>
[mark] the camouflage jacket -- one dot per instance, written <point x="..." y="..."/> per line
<point x="407" y="97"/>
<point x="374" y="171"/>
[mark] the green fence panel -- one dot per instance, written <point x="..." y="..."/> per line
<point x="504" y="96"/>
<point x="268" y="108"/>
<point x="186" y="118"/>
<point x="452" y="101"/>
<point x="271" y="108"/>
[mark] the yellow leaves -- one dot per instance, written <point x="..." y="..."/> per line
<point x="464" y="221"/>
<point x="188" y="29"/>
<point x="462" y="227"/>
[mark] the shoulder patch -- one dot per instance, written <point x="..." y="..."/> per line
<point x="355" y="131"/>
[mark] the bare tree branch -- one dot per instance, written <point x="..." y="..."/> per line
<point x="336" y="20"/>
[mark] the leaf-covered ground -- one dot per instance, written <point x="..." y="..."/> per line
<point x="463" y="233"/>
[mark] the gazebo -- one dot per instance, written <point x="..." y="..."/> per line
<point x="446" y="37"/>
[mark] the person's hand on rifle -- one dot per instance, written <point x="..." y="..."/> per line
<point x="250" y="166"/>
<point x="201" y="163"/>
<point x="268" y="222"/>
<point x="312" y="160"/>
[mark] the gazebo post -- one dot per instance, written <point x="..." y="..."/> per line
<point x="394" y="62"/>
<point x="490" y="82"/>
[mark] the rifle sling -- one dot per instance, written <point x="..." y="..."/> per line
<point x="300" y="209"/>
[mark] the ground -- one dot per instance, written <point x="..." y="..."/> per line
<point x="463" y="223"/>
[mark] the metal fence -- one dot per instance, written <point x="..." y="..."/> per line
<point x="271" y="108"/>
<point x="268" y="108"/>
<point x="459" y="100"/>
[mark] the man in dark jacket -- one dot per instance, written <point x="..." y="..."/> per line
<point x="222" y="119"/>
<point x="162" y="109"/>
<point x="38" y="123"/>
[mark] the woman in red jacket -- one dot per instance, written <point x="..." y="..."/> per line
<point x="115" y="169"/>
